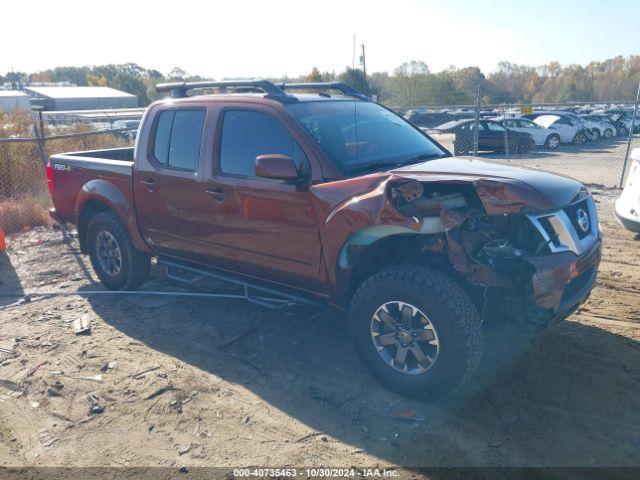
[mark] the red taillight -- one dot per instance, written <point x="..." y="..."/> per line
<point x="50" y="178"/>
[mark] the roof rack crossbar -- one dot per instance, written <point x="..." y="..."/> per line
<point x="179" y="89"/>
<point x="344" y="88"/>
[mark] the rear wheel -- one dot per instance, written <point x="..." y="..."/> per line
<point x="595" y="134"/>
<point x="608" y="133"/>
<point x="117" y="263"/>
<point x="416" y="330"/>
<point x="580" y="138"/>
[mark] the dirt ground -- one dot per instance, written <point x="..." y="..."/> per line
<point x="174" y="388"/>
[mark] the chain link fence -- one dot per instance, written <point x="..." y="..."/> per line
<point x="587" y="141"/>
<point x="27" y="139"/>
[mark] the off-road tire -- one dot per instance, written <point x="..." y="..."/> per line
<point x="451" y="312"/>
<point x="135" y="266"/>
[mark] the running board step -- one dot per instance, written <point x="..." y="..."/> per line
<point x="254" y="292"/>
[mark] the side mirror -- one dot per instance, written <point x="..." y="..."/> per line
<point x="276" y="167"/>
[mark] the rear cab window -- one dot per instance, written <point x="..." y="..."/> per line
<point x="178" y="138"/>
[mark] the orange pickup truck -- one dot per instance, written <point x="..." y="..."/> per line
<point x="313" y="193"/>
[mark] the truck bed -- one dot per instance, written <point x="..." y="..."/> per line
<point x="71" y="172"/>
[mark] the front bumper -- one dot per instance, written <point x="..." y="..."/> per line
<point x="623" y="212"/>
<point x="563" y="281"/>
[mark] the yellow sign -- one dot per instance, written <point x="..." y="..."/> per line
<point x="526" y="109"/>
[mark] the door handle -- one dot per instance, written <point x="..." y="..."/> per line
<point x="217" y="194"/>
<point x="149" y="183"/>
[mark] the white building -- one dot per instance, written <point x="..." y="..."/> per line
<point x="12" y="100"/>
<point x="80" y="98"/>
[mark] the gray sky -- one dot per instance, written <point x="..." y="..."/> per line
<point x="270" y="38"/>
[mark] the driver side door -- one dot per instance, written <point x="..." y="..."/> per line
<point x="258" y="226"/>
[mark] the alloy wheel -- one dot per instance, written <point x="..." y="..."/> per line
<point x="404" y="337"/>
<point x="108" y="253"/>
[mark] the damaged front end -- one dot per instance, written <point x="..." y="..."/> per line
<point x="521" y="257"/>
<point x="530" y="266"/>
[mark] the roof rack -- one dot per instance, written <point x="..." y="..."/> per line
<point x="179" y="89"/>
<point x="343" y="88"/>
<point x="275" y="91"/>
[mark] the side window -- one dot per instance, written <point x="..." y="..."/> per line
<point x="178" y="137"/>
<point x="247" y="134"/>
<point x="163" y="136"/>
<point x="495" y="127"/>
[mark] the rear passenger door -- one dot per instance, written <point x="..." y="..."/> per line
<point x="167" y="180"/>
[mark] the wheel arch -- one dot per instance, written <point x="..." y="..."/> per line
<point x="375" y="248"/>
<point x="99" y="195"/>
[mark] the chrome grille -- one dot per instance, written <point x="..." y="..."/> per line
<point x="562" y="231"/>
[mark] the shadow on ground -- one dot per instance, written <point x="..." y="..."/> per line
<point x="9" y="281"/>
<point x="569" y="399"/>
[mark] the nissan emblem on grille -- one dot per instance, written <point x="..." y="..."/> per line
<point x="583" y="220"/>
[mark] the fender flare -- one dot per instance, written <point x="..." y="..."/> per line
<point x="352" y="249"/>
<point x="104" y="192"/>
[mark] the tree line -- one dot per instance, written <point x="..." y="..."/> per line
<point x="411" y="84"/>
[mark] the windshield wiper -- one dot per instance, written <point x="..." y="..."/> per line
<point x="373" y="166"/>
<point x="410" y="161"/>
<point x="419" y="158"/>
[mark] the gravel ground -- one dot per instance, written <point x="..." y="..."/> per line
<point x="203" y="382"/>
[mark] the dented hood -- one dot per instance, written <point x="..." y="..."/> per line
<point x="538" y="190"/>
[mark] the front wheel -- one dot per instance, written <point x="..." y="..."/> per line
<point x="117" y="263"/>
<point x="553" y="141"/>
<point x="416" y="330"/>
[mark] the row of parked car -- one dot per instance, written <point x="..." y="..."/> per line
<point x="521" y="133"/>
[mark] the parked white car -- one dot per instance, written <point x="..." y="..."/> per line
<point x="598" y="127"/>
<point x="542" y="136"/>
<point x="627" y="208"/>
<point x="567" y="130"/>
<point x="605" y="122"/>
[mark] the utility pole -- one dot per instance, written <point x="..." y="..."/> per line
<point x="353" y="53"/>
<point x="363" y="62"/>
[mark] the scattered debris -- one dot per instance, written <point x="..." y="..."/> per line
<point x="36" y="368"/>
<point x="139" y="375"/>
<point x="53" y="392"/>
<point x="185" y="449"/>
<point x="82" y="325"/>
<point x="94" y="404"/>
<point x="233" y="339"/>
<point x="160" y="391"/>
<point x="92" y="378"/>
<point x="108" y="366"/>
<point x="407" y="414"/>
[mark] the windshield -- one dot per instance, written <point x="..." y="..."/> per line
<point x="363" y="135"/>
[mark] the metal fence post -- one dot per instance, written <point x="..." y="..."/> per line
<point x="38" y="130"/>
<point x="506" y="133"/>
<point x="476" y="131"/>
<point x="633" y="124"/>
<point x="40" y="140"/>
